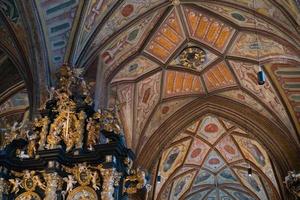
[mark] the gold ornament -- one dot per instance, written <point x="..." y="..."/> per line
<point x="83" y="193"/>
<point x="29" y="196"/>
<point x="192" y="57"/>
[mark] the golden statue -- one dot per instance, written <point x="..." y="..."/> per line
<point x="44" y="132"/>
<point x="31" y="148"/>
<point x="93" y="133"/>
<point x="80" y="129"/>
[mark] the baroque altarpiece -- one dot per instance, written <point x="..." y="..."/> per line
<point x="70" y="152"/>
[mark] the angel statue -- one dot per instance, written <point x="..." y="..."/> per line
<point x="93" y="136"/>
<point x="70" y="182"/>
<point x="38" y="181"/>
<point x="16" y="183"/>
<point x="94" y="180"/>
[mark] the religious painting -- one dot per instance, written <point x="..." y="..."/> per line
<point x="226" y="176"/>
<point x="210" y="129"/>
<point x="228" y="149"/>
<point x="252" y="182"/>
<point x="197" y="152"/>
<point x="214" y="162"/>
<point x="253" y="151"/>
<point x="172" y="158"/>
<point x="203" y="178"/>
<point x="181" y="185"/>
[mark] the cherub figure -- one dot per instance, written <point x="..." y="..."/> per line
<point x="39" y="182"/>
<point x="94" y="180"/>
<point x="70" y="182"/>
<point x="16" y="184"/>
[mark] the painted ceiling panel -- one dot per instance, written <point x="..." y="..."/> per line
<point x="207" y="29"/>
<point x="259" y="47"/>
<point x="162" y="113"/>
<point x="254" y="152"/>
<point x="203" y="178"/>
<point x="181" y="185"/>
<point x="253" y="182"/>
<point x="167" y="38"/>
<point x="244" y="98"/>
<point x="57" y="18"/>
<point x="198" y="195"/>
<point x="239" y="195"/>
<point x="288" y="79"/>
<point x="266" y="8"/>
<point x="127" y="43"/>
<point x="214" y="162"/>
<point x="126" y="99"/>
<point x="135" y="68"/>
<point x="197" y="152"/>
<point x="293" y="7"/>
<point x="95" y="12"/>
<point x="218" y="77"/>
<point x="147" y="96"/>
<point x="245" y="19"/>
<point x="216" y="178"/>
<point x="227" y="176"/>
<point x="126" y="12"/>
<point x="266" y="93"/>
<point x="210" y="129"/>
<point x="228" y="149"/>
<point x="17" y="101"/>
<point x="182" y="83"/>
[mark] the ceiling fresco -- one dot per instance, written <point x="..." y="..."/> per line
<point x="212" y="161"/>
<point x="57" y="18"/>
<point x="137" y="53"/>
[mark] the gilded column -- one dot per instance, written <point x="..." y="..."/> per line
<point x="53" y="181"/>
<point x="4" y="187"/>
<point x="108" y="183"/>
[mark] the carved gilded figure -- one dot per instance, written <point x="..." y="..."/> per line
<point x="80" y="128"/>
<point x="93" y="133"/>
<point x="70" y="183"/>
<point x="43" y="134"/>
<point x="16" y="184"/>
<point x="31" y="148"/>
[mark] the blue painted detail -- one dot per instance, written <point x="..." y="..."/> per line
<point x="60" y="27"/>
<point x="59" y="43"/>
<point x="57" y="58"/>
<point x="60" y="6"/>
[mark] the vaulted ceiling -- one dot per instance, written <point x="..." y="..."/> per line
<point x="132" y="52"/>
